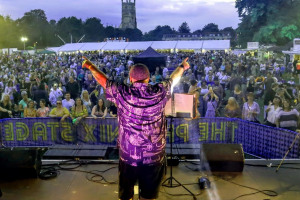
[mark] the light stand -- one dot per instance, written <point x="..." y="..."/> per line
<point x="169" y="181"/>
<point x="288" y="151"/>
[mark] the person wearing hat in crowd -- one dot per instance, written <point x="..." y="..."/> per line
<point x="24" y="102"/>
<point x="250" y="109"/>
<point x="142" y="127"/>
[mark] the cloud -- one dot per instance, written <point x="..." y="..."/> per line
<point x="196" y="13"/>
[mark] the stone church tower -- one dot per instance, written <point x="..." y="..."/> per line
<point x="128" y="14"/>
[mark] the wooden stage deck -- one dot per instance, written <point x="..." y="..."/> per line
<point x="73" y="185"/>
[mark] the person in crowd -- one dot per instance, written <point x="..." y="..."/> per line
<point x="250" y="109"/>
<point x="72" y="87"/>
<point x="239" y="95"/>
<point x="269" y="97"/>
<point x="43" y="111"/>
<point x="55" y="94"/>
<point x="113" y="111"/>
<point x="23" y="103"/>
<point x="234" y="80"/>
<point x="15" y="112"/>
<point x="194" y="90"/>
<point x="40" y="93"/>
<point x="30" y="111"/>
<point x="61" y="87"/>
<point x="78" y="111"/>
<point x="212" y="102"/>
<point x="23" y="85"/>
<point x="218" y="89"/>
<point x="99" y="110"/>
<point x="85" y="97"/>
<point x="59" y="111"/>
<point x="287" y="118"/>
<point x="232" y="109"/>
<point x="10" y="89"/>
<point x="203" y="104"/>
<point x="224" y="78"/>
<point x="90" y="84"/>
<point x="158" y="76"/>
<point x="5" y="107"/>
<point x="251" y="84"/>
<point x="68" y="102"/>
<point x="272" y="111"/>
<point x="190" y="75"/>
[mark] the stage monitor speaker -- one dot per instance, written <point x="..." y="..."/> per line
<point x="222" y="157"/>
<point x="20" y="162"/>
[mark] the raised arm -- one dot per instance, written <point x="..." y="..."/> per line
<point x="180" y="69"/>
<point x="99" y="75"/>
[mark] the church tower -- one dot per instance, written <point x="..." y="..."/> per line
<point x="128" y="14"/>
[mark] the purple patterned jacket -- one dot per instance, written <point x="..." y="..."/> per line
<point x="141" y="117"/>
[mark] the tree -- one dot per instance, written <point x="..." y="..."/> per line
<point x="34" y="26"/>
<point x="9" y="33"/>
<point x="232" y="32"/>
<point x="109" y="31"/>
<point x="210" y="28"/>
<point x="133" y="34"/>
<point x="70" y="27"/>
<point x="184" y="28"/>
<point x="93" y="30"/>
<point x="268" y="22"/>
<point x="158" y="33"/>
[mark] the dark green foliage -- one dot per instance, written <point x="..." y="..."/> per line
<point x="268" y="22"/>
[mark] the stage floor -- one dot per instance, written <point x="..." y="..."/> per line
<point x="73" y="185"/>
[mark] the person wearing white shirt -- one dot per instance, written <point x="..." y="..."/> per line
<point x="207" y="69"/>
<point x="272" y="111"/>
<point x="68" y="102"/>
<point x="165" y="72"/>
<point x="55" y="94"/>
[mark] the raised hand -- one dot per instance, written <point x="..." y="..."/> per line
<point x="185" y="64"/>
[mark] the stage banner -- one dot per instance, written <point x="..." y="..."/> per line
<point x="263" y="141"/>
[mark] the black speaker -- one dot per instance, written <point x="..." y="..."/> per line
<point x="222" y="157"/>
<point x="20" y="162"/>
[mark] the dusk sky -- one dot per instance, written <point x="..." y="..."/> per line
<point x="150" y="13"/>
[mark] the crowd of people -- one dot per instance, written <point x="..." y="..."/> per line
<point x="223" y="84"/>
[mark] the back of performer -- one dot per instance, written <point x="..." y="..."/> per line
<point x="142" y="130"/>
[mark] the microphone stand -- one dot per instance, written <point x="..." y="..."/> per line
<point x="288" y="151"/>
<point x="169" y="181"/>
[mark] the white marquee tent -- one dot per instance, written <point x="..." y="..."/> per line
<point x="158" y="45"/>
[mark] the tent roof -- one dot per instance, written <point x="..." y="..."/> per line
<point x="71" y="47"/>
<point x="138" y="45"/>
<point x="150" y="53"/>
<point x="164" y="44"/>
<point x="114" y="46"/>
<point x="216" y="44"/>
<point x="117" y="46"/>
<point x="55" y="49"/>
<point x="92" y="46"/>
<point x="193" y="44"/>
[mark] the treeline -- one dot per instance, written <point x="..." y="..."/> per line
<point x="43" y="33"/>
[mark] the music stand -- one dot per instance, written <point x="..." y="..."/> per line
<point x="169" y="181"/>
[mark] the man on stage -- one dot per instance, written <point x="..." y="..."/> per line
<point x="142" y="127"/>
